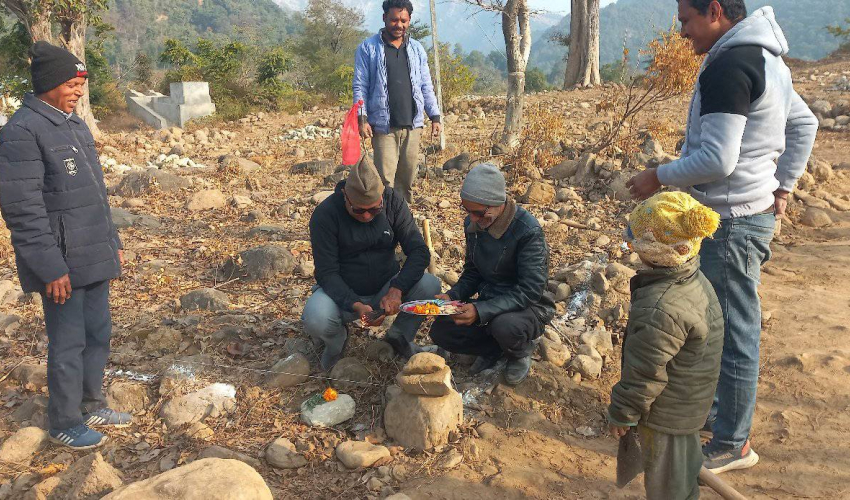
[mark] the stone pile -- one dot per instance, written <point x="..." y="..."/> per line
<point x="427" y="408"/>
<point x="308" y="133"/>
<point x="832" y="115"/>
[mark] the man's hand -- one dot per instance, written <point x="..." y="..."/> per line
<point x="468" y="315"/>
<point x="436" y="128"/>
<point x="780" y="203"/>
<point x="391" y="302"/>
<point x="618" y="431"/>
<point x="644" y="184"/>
<point x="121" y="258"/>
<point x="363" y="311"/>
<point x="59" y="290"/>
<point x="365" y="130"/>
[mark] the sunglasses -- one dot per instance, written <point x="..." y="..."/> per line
<point x="477" y="213"/>
<point x="360" y="211"/>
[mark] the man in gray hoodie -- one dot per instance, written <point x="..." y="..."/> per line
<point x="749" y="137"/>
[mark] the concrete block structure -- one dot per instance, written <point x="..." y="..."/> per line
<point x="187" y="100"/>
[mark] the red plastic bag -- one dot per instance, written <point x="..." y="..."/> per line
<point x="350" y="136"/>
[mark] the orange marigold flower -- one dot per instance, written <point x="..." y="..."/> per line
<point x="330" y="394"/>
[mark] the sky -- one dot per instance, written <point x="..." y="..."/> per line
<point x="559" y="6"/>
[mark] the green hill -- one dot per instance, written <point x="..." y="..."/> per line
<point x="638" y="21"/>
<point x="143" y="25"/>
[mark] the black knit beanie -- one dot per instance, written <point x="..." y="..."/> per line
<point x="52" y="66"/>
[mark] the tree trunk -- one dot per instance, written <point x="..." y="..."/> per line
<point x="583" y="62"/>
<point x="73" y="38"/>
<point x="516" y="27"/>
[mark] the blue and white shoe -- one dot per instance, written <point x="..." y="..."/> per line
<point x="107" y="416"/>
<point x="80" y="437"/>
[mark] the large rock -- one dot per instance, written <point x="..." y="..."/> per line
<point x="427" y="384"/>
<point x="211" y="401"/>
<point x="586" y="169"/>
<point x="421" y="422"/>
<point x="207" y="299"/>
<point x="122" y="218"/>
<point x="281" y="454"/>
<point x="330" y="413"/>
<point x="208" y="199"/>
<point x="31" y="376"/>
<point x="356" y="454"/>
<point x="237" y="165"/>
<point x="88" y="478"/>
<point x="599" y="340"/>
<point x="127" y="396"/>
<point x="815" y="217"/>
<point x="21" y="446"/>
<point x="619" y="277"/>
<point x="163" y="339"/>
<point x="315" y="167"/>
<point x="210" y="478"/>
<point x="349" y="371"/>
<point x="424" y="363"/>
<point x="553" y="352"/>
<point x="563" y="170"/>
<point x="459" y="162"/>
<point x="33" y="412"/>
<point x="289" y="371"/>
<point x="380" y="351"/>
<point x="821" y="107"/>
<point x="136" y="184"/>
<point x="588" y="365"/>
<point x="539" y="193"/>
<point x="261" y="263"/>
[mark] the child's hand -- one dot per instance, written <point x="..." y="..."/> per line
<point x="618" y="431"/>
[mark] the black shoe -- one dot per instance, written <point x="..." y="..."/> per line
<point x="403" y="349"/>
<point x="517" y="370"/>
<point x="482" y="363"/>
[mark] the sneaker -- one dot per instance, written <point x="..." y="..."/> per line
<point x="735" y="459"/>
<point x="403" y="349"/>
<point x="482" y="363"/>
<point x="80" y="437"/>
<point x="107" y="416"/>
<point x="517" y="369"/>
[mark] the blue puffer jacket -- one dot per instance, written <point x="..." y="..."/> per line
<point x="53" y="199"/>
<point x="370" y="83"/>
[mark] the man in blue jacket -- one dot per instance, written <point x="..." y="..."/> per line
<point x="392" y="78"/>
<point x="53" y="200"/>
<point x="749" y="137"/>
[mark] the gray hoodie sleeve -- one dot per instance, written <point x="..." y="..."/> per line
<point x="800" y="132"/>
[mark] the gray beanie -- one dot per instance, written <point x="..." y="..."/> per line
<point x="484" y="184"/>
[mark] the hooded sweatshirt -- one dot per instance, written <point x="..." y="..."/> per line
<point x="749" y="133"/>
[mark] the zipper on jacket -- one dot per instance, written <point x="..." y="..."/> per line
<point x="63" y="237"/>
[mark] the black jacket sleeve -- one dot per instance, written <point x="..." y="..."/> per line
<point x="325" y="243"/>
<point x="22" y="203"/>
<point x="532" y="274"/>
<point x="412" y="244"/>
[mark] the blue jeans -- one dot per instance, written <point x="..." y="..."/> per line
<point x="732" y="262"/>
<point x="324" y="321"/>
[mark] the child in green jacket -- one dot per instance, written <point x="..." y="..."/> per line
<point x="672" y="347"/>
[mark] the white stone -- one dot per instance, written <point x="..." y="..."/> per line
<point x="330" y="413"/>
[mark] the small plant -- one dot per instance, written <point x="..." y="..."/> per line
<point x="672" y="71"/>
<point x="539" y="142"/>
<point x="842" y="33"/>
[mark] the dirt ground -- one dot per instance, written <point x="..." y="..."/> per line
<point x="549" y="439"/>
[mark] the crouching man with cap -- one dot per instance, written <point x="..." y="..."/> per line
<point x="507" y="266"/>
<point x="354" y="234"/>
<point x="53" y="200"/>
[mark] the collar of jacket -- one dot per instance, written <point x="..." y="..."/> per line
<point x="674" y="274"/>
<point x="46" y="110"/>
<point x="499" y="226"/>
<point x="404" y="41"/>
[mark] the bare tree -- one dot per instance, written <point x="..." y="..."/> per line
<point x="516" y="28"/>
<point x="70" y="19"/>
<point x="583" y="41"/>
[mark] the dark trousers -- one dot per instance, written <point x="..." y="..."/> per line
<point x="510" y="333"/>
<point x="78" y="333"/>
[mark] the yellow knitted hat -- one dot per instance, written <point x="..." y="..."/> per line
<point x="667" y="230"/>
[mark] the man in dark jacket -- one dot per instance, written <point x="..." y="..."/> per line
<point x="53" y="200"/>
<point x="354" y="234"/>
<point x="507" y="266"/>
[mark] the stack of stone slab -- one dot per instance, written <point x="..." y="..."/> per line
<point x="188" y="100"/>
<point x="427" y="409"/>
